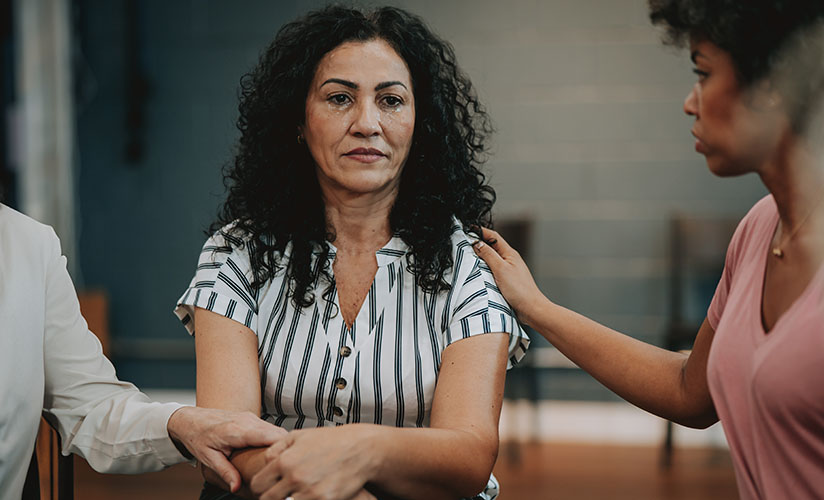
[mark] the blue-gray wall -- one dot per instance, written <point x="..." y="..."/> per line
<point x="591" y="144"/>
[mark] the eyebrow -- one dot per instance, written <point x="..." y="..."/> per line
<point x="354" y="86"/>
<point x="384" y="85"/>
<point x="695" y="54"/>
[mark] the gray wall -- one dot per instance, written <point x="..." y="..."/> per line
<point x="591" y="143"/>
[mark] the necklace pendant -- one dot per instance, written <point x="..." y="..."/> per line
<point x="778" y="252"/>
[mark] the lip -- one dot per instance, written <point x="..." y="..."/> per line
<point x="365" y="155"/>
<point x="700" y="147"/>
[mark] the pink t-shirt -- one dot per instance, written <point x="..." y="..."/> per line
<point x="768" y="388"/>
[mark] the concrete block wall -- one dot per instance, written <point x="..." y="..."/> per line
<point x="591" y="143"/>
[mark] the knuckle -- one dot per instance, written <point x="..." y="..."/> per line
<point x="316" y="494"/>
<point x="300" y="479"/>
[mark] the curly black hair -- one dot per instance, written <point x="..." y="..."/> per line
<point x="274" y="199"/>
<point x="780" y="40"/>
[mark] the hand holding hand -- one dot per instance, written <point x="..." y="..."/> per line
<point x="511" y="274"/>
<point x="211" y="436"/>
<point x="317" y="464"/>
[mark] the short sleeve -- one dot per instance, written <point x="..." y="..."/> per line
<point x="719" y="299"/>
<point x="477" y="307"/>
<point x="757" y="225"/>
<point x="221" y="284"/>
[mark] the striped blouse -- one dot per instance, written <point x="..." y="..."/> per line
<point x="317" y="372"/>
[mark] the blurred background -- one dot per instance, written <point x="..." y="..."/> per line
<point x="118" y="116"/>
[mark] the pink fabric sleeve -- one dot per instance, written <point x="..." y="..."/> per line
<point x="746" y="230"/>
<point x="719" y="299"/>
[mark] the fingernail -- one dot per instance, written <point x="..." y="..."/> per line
<point x="478" y="245"/>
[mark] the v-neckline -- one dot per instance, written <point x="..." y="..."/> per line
<point x="766" y="253"/>
<point x="385" y="277"/>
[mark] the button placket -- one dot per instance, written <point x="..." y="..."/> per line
<point x="343" y="383"/>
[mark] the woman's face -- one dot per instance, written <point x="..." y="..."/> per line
<point x="735" y="128"/>
<point x="360" y="116"/>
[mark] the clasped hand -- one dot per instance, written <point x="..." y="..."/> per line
<point x="317" y="464"/>
<point x="211" y="435"/>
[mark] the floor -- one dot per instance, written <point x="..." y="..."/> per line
<point x="550" y="471"/>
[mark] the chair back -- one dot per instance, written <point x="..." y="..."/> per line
<point x="698" y="249"/>
<point x="51" y="475"/>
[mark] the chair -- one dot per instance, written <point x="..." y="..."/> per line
<point x="51" y="475"/>
<point x="698" y="246"/>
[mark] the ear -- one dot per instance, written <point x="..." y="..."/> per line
<point x="765" y="97"/>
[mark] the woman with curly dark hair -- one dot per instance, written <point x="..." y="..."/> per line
<point x="757" y="360"/>
<point x="339" y="296"/>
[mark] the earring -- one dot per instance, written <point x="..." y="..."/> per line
<point x="300" y="138"/>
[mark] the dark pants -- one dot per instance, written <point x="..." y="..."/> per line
<point x="212" y="492"/>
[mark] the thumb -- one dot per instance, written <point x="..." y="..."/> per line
<point x="257" y="435"/>
<point x="220" y="464"/>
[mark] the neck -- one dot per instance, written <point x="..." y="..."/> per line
<point x="795" y="178"/>
<point x="360" y="221"/>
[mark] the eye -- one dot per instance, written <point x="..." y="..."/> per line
<point x="391" y="101"/>
<point x="701" y="74"/>
<point x="339" y="99"/>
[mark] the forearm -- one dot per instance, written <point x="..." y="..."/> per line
<point x="247" y="462"/>
<point x="387" y="461"/>
<point x="662" y="382"/>
<point x="427" y="463"/>
<point x="122" y="432"/>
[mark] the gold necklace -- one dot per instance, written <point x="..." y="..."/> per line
<point x="776" y="250"/>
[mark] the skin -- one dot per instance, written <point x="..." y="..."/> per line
<point x="211" y="436"/>
<point x="739" y="131"/>
<point x="735" y="128"/>
<point x="361" y="97"/>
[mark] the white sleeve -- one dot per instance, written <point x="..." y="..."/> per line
<point x="108" y="422"/>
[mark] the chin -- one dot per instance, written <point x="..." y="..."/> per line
<point x="722" y="167"/>
<point x="367" y="185"/>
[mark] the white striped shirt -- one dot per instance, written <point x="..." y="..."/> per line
<point x="315" y="371"/>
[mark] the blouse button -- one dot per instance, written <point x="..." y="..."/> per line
<point x="337" y="411"/>
<point x="345" y="351"/>
<point x="340" y="383"/>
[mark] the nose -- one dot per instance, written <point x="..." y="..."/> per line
<point x="691" y="102"/>
<point x="367" y="120"/>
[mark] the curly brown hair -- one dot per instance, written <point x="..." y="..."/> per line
<point x="779" y="40"/>
<point x="273" y="195"/>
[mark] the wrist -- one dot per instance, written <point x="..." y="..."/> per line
<point x="372" y="451"/>
<point x="175" y="426"/>
<point x="534" y="309"/>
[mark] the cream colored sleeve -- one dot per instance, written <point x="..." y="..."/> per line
<point x="108" y="422"/>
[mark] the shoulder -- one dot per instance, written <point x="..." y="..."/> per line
<point x="228" y="238"/>
<point x="463" y="255"/>
<point x="233" y="239"/>
<point x="23" y="229"/>
<point x="22" y="237"/>
<point x="750" y="234"/>
<point x="757" y="225"/>
<point x="229" y="243"/>
<point x="761" y="214"/>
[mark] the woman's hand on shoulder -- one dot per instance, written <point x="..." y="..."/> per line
<point x="511" y="275"/>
